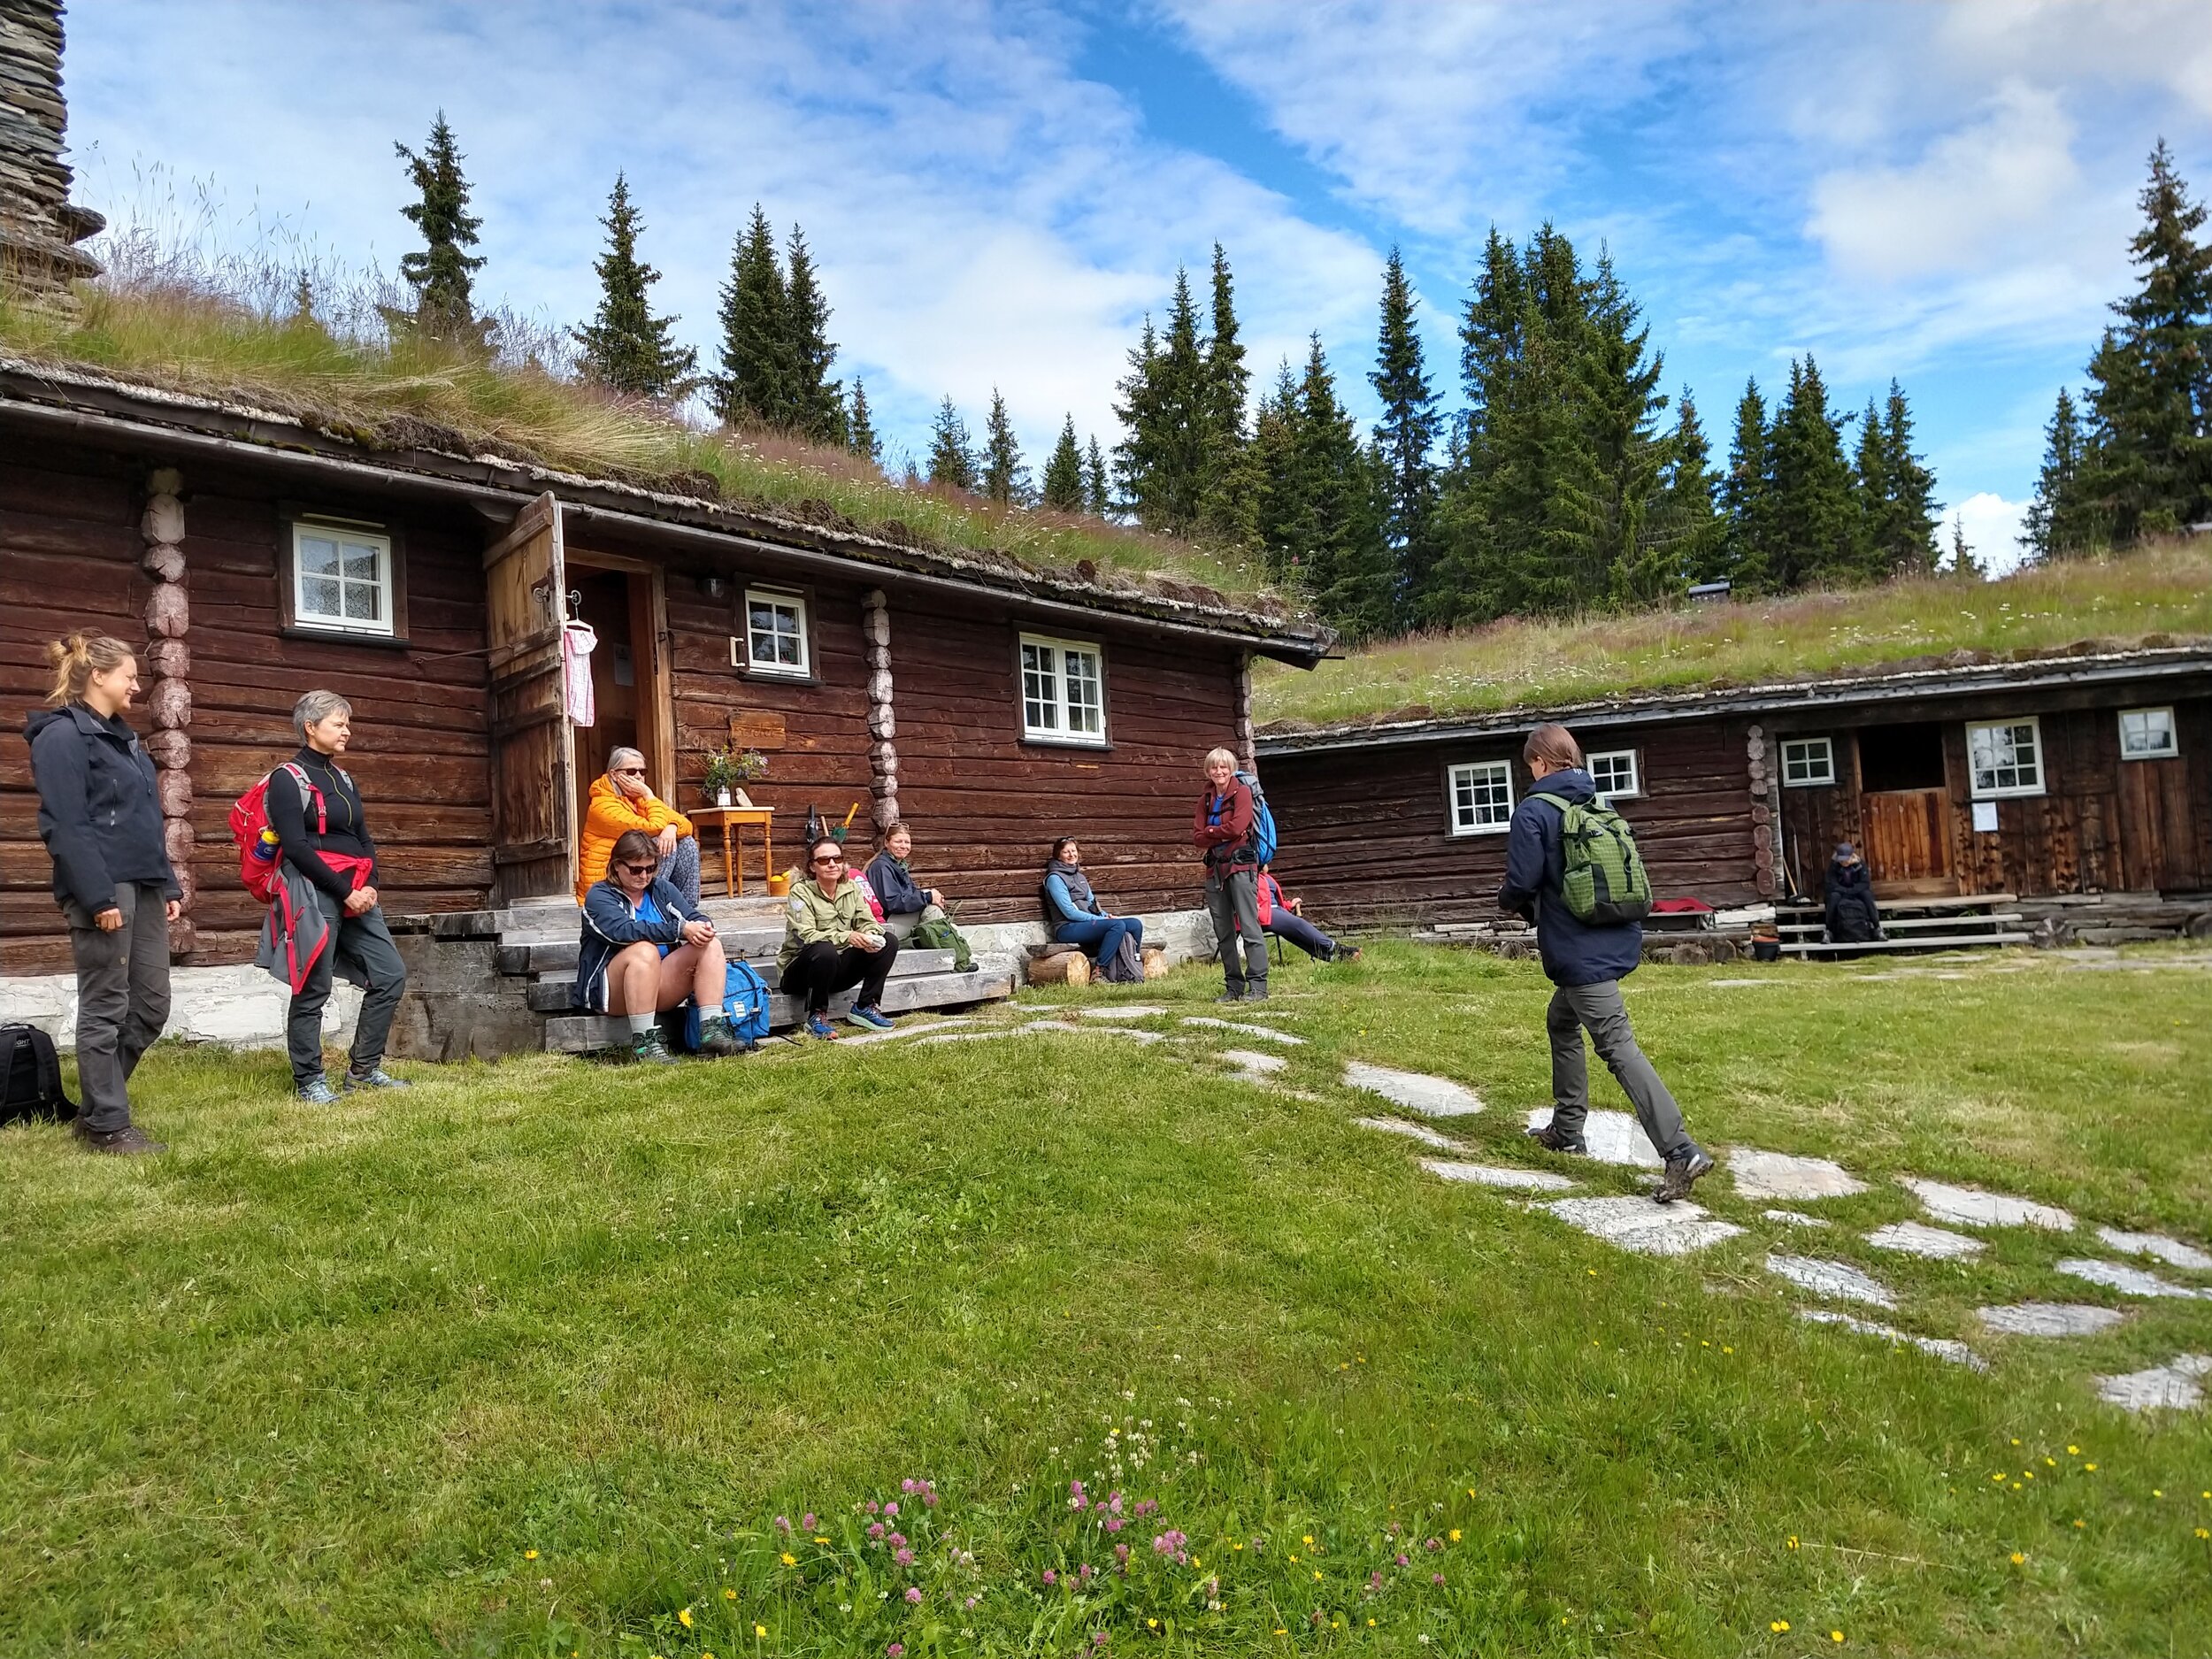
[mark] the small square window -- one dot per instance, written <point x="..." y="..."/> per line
<point x="2006" y="757"/>
<point x="1481" y="797"/>
<point x="1063" y="692"/>
<point x="1807" y="762"/>
<point x="342" y="577"/>
<point x="1615" y="774"/>
<point x="2148" y="735"/>
<point x="775" y="634"/>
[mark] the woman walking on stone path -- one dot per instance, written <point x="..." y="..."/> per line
<point x="1586" y="963"/>
<point x="101" y="820"/>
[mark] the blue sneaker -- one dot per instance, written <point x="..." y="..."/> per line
<point x="317" y="1091"/>
<point x="818" y="1026"/>
<point x="871" y="1017"/>
<point x="376" y="1077"/>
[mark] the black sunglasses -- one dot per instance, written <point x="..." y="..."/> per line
<point x="643" y="870"/>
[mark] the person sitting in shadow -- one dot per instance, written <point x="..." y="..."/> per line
<point x="1852" y="917"/>
<point x="1280" y="917"/>
<point x="914" y="914"/>
<point x="1074" y="915"/>
<point x="622" y="801"/>
<point x="645" y="950"/>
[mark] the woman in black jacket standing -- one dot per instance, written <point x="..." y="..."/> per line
<point x="101" y="820"/>
<point x="1852" y="916"/>
<point x="323" y="835"/>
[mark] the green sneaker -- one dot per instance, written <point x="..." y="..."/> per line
<point x="317" y="1091"/>
<point x="647" y="1048"/>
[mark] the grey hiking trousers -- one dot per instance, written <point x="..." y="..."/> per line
<point x="1233" y="902"/>
<point x="1599" y="1008"/>
<point x="122" y="998"/>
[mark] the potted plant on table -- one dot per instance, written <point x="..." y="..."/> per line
<point x="725" y="770"/>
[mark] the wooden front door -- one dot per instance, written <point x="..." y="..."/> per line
<point x="1907" y="836"/>
<point x="534" y="762"/>
<point x="2157" y="829"/>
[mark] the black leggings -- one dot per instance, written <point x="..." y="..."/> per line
<point x="821" y="968"/>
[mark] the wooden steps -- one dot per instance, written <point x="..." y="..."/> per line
<point x="549" y="992"/>
<point x="903" y="993"/>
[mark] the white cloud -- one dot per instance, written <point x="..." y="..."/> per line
<point x="1992" y="525"/>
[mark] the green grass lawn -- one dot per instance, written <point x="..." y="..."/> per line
<point x="531" y="1359"/>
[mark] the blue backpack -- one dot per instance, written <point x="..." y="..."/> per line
<point x="744" y="1001"/>
<point x="1264" y="841"/>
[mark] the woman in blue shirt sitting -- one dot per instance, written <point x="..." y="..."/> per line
<point x="644" y="949"/>
<point x="1073" y="911"/>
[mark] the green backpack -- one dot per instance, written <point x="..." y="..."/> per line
<point x="940" y="934"/>
<point x="1603" y="880"/>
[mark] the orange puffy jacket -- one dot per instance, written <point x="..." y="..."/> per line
<point x="610" y="813"/>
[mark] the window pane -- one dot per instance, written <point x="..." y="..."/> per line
<point x="318" y="556"/>
<point x="318" y="596"/>
<point x="361" y="562"/>
<point x="360" y="603"/>
<point x="1086" y="707"/>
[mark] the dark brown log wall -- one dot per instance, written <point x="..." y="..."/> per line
<point x="1366" y="832"/>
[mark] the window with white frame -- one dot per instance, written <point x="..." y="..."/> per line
<point x="1482" y="797"/>
<point x="1615" y="773"/>
<point x="1808" y="761"/>
<point x="2148" y="735"/>
<point x="2006" y="757"/>
<point x="775" y="633"/>
<point x="1063" y="691"/>
<point x="342" y="577"/>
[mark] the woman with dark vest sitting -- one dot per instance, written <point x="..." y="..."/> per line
<point x="323" y="835"/>
<point x="1075" y="914"/>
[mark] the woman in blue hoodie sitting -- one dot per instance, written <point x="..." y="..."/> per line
<point x="644" y="949"/>
<point x="1073" y="912"/>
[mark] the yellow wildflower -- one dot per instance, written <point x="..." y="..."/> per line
<point x="821" y="1540"/>
<point x="2092" y="1468"/>
<point x="2018" y="1560"/>
<point x="1455" y="1535"/>
<point x="729" y="1595"/>
<point x="1152" y="1624"/>
<point x="1835" y="1635"/>
<point x="1316" y="1573"/>
<point x="759" y="1630"/>
<point x="683" y="1618"/>
<point x="2203" y="1532"/>
<point x="1307" y="1539"/>
<point x="1793" y="1540"/>
<point x="788" y="1559"/>
<point x="2073" y="1451"/>
<point x="529" y="1555"/>
<point x="1777" y="1626"/>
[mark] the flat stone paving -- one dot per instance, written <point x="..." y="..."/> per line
<point x="855" y="1039"/>
<point x="1495" y="1175"/>
<point x="1422" y="1132"/>
<point x="1914" y="1238"/>
<point x="1941" y="1346"/>
<point x="1111" y="1011"/>
<point x="2129" y="1281"/>
<point x="1837" y="1280"/>
<point x="1612" y="1138"/>
<point x="1971" y="1207"/>
<point x="1791" y="1219"/>
<point x="2173" y="1252"/>
<point x="1265" y="1034"/>
<point x="2050" y="1318"/>
<point x="1759" y="1174"/>
<point x="2173" y="1386"/>
<point x="1253" y="1063"/>
<point x="1415" y="1090"/>
<point x="1643" y="1227"/>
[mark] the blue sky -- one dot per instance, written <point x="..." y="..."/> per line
<point x="997" y="194"/>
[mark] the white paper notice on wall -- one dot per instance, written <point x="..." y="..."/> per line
<point x="1985" y="818"/>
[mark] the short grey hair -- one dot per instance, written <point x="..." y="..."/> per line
<point x="1226" y="757"/>
<point x="621" y="752"/>
<point x="315" y="708"/>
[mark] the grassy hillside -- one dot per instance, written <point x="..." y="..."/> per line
<point x="2160" y="595"/>
<point x="180" y="336"/>
<point x="531" y="1359"/>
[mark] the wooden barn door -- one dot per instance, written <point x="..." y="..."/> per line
<point x="533" y="764"/>
<point x="2157" y="831"/>
<point x="1908" y="835"/>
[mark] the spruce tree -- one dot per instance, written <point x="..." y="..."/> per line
<point x="860" y="432"/>
<point x="817" y="402"/>
<point x="1005" y="480"/>
<point x="1278" y="502"/>
<point x="1098" y="499"/>
<point x="1226" y="490"/>
<point x="625" y="346"/>
<point x="1904" y="541"/>
<point x="1064" y="473"/>
<point x="1747" y="562"/>
<point x="1405" y="438"/>
<point x="951" y="454"/>
<point x="1162" y="462"/>
<point x="1620" y="390"/>
<point x="2058" y="524"/>
<point x="2148" y="466"/>
<point x="441" y="272"/>
<point x="756" y="372"/>
<point x="1685" y="533"/>
<point x="1963" y="564"/>
<point x="1817" y="532"/>
<point x="1340" y="536"/>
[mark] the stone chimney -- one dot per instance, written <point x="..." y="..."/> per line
<point x="39" y="228"/>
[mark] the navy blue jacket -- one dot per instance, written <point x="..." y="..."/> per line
<point x="1574" y="952"/>
<point x="609" y="926"/>
<point x="97" y="810"/>
<point x="895" y="886"/>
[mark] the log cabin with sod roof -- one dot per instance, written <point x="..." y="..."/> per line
<point x="2069" y="790"/>
<point x="990" y="703"/>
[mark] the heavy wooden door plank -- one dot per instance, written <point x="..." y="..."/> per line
<point x="2157" y="828"/>
<point x="533" y="749"/>
<point x="1907" y="839"/>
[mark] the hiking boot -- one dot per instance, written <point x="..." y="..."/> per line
<point x="128" y="1142"/>
<point x="970" y="967"/>
<point x="871" y="1017"/>
<point x="1552" y="1141"/>
<point x="1234" y="993"/>
<point x="1347" y="952"/>
<point x="717" y="1041"/>
<point x="1256" y="990"/>
<point x="376" y="1077"/>
<point x="818" y="1026"/>
<point x="647" y="1048"/>
<point x="1683" y="1172"/>
<point x="317" y="1091"/>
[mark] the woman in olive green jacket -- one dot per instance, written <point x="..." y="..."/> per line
<point x="832" y="940"/>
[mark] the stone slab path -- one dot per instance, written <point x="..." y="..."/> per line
<point x="1759" y="1174"/>
<point x="2173" y="1386"/>
<point x="2050" y="1318"/>
<point x="1913" y="1238"/>
<point x="1612" y="1138"/>
<point x="1941" y="1346"/>
<point x="1970" y="1207"/>
<point x="1415" y="1090"/>
<point x="1112" y="1011"/>
<point x="1495" y="1175"/>
<point x="1265" y="1034"/>
<point x="2173" y="1252"/>
<point x="1251" y="1064"/>
<point x="861" y="1039"/>
<point x="2129" y="1281"/>
<point x="1791" y="1219"/>
<point x="1638" y="1225"/>
<point x="1839" y="1281"/>
<point x="1426" y="1136"/>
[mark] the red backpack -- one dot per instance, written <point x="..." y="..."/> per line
<point x="249" y="817"/>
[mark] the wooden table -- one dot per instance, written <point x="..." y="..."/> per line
<point x="734" y="821"/>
